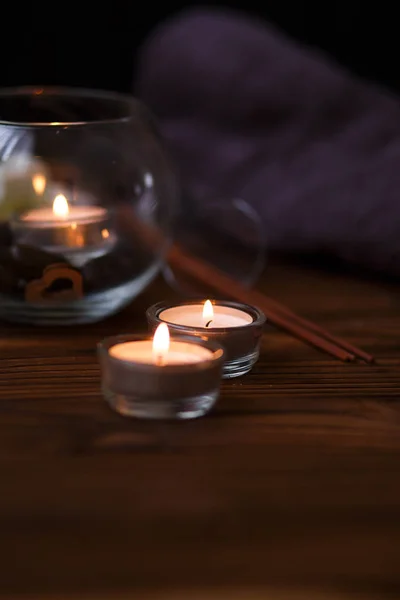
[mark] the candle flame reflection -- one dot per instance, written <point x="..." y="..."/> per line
<point x="208" y="313"/>
<point x="161" y="344"/>
<point x="60" y="206"/>
<point x="39" y="183"/>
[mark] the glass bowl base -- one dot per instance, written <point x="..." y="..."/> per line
<point x="160" y="408"/>
<point x="239" y="366"/>
<point x="90" y="309"/>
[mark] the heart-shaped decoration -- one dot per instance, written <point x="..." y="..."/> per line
<point x="59" y="283"/>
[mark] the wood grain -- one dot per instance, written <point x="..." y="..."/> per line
<point x="260" y="593"/>
<point x="292" y="481"/>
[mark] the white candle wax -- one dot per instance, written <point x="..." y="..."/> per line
<point x="179" y="353"/>
<point x="80" y="215"/>
<point x="191" y="315"/>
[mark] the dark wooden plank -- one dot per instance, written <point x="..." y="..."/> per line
<point x="293" y="480"/>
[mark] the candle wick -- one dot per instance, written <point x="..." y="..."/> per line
<point x="209" y="322"/>
<point x="160" y="360"/>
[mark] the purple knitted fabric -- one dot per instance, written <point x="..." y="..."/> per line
<point x="251" y="114"/>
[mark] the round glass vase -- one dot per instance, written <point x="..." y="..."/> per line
<point x="88" y="200"/>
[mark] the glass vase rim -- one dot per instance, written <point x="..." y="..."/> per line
<point x="124" y="99"/>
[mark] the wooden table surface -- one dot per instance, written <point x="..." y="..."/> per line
<point x="293" y="482"/>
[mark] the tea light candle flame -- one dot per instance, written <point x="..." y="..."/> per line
<point x="208" y="313"/>
<point x="39" y="183"/>
<point x="60" y="206"/>
<point x="161" y="341"/>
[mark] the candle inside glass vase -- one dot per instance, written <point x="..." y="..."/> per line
<point x="77" y="232"/>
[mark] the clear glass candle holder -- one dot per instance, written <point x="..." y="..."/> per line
<point x="88" y="199"/>
<point x="239" y="330"/>
<point x="148" y="390"/>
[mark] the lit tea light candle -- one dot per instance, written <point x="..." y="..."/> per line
<point x="79" y="233"/>
<point x="161" y="377"/>
<point x="61" y="214"/>
<point x="238" y="327"/>
<point x="207" y="315"/>
<point x="161" y="351"/>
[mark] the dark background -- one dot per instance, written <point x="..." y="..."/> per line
<point x="95" y="45"/>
